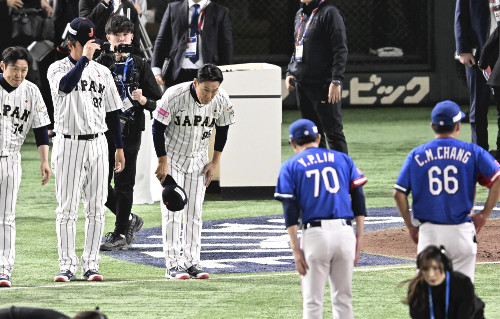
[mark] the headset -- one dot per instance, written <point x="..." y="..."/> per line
<point x="431" y="252"/>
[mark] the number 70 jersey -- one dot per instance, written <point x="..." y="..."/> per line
<point x="320" y="180"/>
<point x="442" y="176"/>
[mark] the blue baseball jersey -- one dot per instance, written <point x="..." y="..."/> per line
<point x="320" y="180"/>
<point x="442" y="176"/>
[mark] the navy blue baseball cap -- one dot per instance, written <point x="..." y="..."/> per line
<point x="302" y="128"/>
<point x="446" y="113"/>
<point x="83" y="29"/>
<point x="173" y="196"/>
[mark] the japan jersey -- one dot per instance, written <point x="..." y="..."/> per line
<point x="190" y="123"/>
<point x="83" y="110"/>
<point x="320" y="180"/>
<point x="22" y="109"/>
<point x="442" y="176"/>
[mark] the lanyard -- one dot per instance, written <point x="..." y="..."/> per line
<point x="431" y="305"/>
<point x="200" y="24"/>
<point x="203" y="13"/>
<point x="308" y="21"/>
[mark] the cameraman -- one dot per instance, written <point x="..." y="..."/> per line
<point x="133" y="76"/>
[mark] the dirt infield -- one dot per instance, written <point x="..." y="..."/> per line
<point x="396" y="242"/>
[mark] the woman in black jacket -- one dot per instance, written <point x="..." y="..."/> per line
<point x="439" y="292"/>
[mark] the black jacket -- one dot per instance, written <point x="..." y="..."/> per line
<point x="217" y="38"/>
<point x="150" y="90"/>
<point x="490" y="57"/>
<point x="5" y="26"/>
<point x="99" y="13"/>
<point x="464" y="304"/>
<point x="325" y="45"/>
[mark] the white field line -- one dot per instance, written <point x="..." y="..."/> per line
<point x="234" y="277"/>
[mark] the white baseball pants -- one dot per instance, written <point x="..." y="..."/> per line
<point x="81" y="169"/>
<point x="329" y="251"/>
<point x="458" y="240"/>
<point x="10" y="179"/>
<point x="193" y="184"/>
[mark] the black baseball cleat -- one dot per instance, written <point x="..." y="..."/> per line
<point x="114" y="241"/>
<point x="65" y="276"/>
<point x="92" y="275"/>
<point x="176" y="273"/>
<point x="5" y="281"/>
<point x="133" y="227"/>
<point x="196" y="272"/>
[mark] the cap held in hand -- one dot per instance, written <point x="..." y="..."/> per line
<point x="173" y="196"/>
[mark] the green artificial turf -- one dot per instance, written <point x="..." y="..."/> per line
<point x="378" y="139"/>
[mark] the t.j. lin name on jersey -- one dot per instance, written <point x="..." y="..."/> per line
<point x="15" y="113"/>
<point x="444" y="152"/>
<point x="317" y="158"/>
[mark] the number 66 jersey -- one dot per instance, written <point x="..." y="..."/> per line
<point x="442" y="176"/>
<point x="320" y="180"/>
<point x="22" y="109"/>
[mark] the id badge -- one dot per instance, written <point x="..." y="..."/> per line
<point x="191" y="46"/>
<point x="299" y="49"/>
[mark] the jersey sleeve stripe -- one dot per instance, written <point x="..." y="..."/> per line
<point x="487" y="182"/>
<point x="358" y="182"/>
<point x="400" y="188"/>
<point x="279" y="195"/>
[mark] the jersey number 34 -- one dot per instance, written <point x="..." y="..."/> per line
<point x="324" y="174"/>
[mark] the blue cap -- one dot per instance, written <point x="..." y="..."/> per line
<point x="302" y="128"/>
<point x="446" y="113"/>
<point x="83" y="29"/>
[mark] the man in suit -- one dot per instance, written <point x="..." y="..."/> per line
<point x="192" y="33"/>
<point x="474" y="22"/>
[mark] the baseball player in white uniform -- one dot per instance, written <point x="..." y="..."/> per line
<point x="184" y="121"/>
<point x="86" y="103"/>
<point x="22" y="109"/>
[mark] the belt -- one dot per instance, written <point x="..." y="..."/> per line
<point x="317" y="223"/>
<point x="87" y="137"/>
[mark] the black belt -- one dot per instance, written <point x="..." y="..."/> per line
<point x="86" y="137"/>
<point x="317" y="223"/>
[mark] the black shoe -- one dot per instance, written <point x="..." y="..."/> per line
<point x="92" y="275"/>
<point x="196" y="272"/>
<point x="5" y="281"/>
<point x="134" y="226"/>
<point x="114" y="241"/>
<point x="64" y="276"/>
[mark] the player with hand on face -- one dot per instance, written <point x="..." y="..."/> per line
<point x="133" y="77"/>
<point x="184" y="121"/>
<point x="442" y="176"/>
<point x="321" y="192"/>
<point x="23" y="108"/>
<point x="86" y="104"/>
